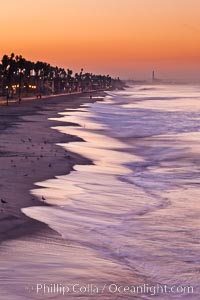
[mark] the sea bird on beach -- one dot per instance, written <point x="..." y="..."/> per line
<point x="43" y="198"/>
<point x="3" y="201"/>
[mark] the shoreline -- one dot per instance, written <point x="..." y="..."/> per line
<point x="29" y="154"/>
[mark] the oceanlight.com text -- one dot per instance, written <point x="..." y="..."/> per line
<point x="111" y="288"/>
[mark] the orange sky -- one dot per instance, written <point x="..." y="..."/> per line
<point x="125" y="37"/>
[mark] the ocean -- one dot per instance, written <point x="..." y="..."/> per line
<point x="133" y="216"/>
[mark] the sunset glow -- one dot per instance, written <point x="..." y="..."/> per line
<point x="121" y="37"/>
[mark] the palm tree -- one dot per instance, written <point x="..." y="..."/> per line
<point x="8" y="67"/>
<point x="17" y="70"/>
<point x="5" y="64"/>
<point x="69" y="79"/>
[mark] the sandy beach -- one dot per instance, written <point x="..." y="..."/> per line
<point x="31" y="252"/>
<point x="29" y="154"/>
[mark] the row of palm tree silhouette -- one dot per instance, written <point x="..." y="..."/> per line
<point x="20" y="76"/>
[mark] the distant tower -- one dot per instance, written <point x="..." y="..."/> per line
<point x="153" y="75"/>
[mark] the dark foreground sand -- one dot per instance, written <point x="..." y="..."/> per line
<point x="28" y="154"/>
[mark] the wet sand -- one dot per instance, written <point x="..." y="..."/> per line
<point x="28" y="154"/>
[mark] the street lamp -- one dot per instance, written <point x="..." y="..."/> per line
<point x="20" y="72"/>
<point x="7" y="86"/>
<point x="33" y="74"/>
